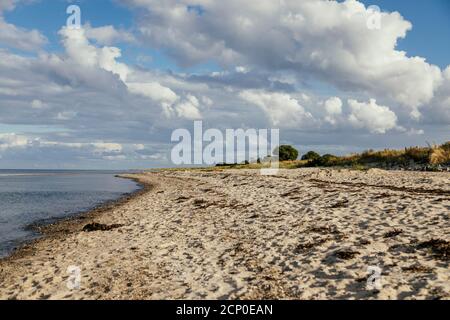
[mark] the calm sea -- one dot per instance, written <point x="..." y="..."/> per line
<point x="40" y="196"/>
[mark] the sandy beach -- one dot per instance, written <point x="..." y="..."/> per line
<point x="234" y="234"/>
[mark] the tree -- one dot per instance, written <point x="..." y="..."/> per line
<point x="287" y="153"/>
<point x="326" y="160"/>
<point x="311" y="155"/>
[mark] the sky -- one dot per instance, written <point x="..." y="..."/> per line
<point x="334" y="76"/>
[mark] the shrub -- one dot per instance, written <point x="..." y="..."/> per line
<point x="416" y="154"/>
<point x="326" y="160"/>
<point x="446" y="146"/>
<point x="311" y="155"/>
<point x="287" y="153"/>
<point x="440" y="155"/>
<point x="433" y="155"/>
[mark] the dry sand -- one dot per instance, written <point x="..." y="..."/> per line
<point x="304" y="234"/>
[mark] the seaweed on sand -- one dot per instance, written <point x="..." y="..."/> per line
<point x="346" y="254"/>
<point x="100" y="227"/>
<point x="393" y="233"/>
<point x="439" y="247"/>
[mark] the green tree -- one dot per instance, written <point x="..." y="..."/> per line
<point x="327" y="160"/>
<point x="311" y="155"/>
<point x="287" y="153"/>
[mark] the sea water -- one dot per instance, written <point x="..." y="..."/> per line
<point x="30" y="197"/>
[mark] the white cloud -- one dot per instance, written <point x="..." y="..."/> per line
<point x="12" y="140"/>
<point x="189" y="108"/>
<point x="281" y="109"/>
<point x="338" y="48"/>
<point x="79" y="50"/>
<point x="154" y="91"/>
<point x="375" y="118"/>
<point x="207" y="101"/>
<point x="17" y="37"/>
<point x="108" y="35"/>
<point x="333" y="106"/>
<point x="102" y="147"/>
<point x="241" y="69"/>
<point x="305" y="97"/>
<point x="438" y="111"/>
<point x="139" y="147"/>
<point x="66" y="115"/>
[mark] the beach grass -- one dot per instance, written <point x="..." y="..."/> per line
<point x="430" y="157"/>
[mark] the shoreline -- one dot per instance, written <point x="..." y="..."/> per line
<point x="235" y="235"/>
<point x="62" y="226"/>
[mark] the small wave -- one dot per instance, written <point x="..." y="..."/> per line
<point x="24" y="174"/>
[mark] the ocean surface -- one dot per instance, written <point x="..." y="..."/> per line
<point x="41" y="196"/>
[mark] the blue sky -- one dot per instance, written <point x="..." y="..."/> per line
<point x="335" y="89"/>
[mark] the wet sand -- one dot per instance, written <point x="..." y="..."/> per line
<point x="234" y="234"/>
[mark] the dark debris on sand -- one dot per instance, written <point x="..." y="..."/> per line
<point x="439" y="247"/>
<point x="393" y="233"/>
<point x="340" y="204"/>
<point x="100" y="227"/>
<point x="346" y="254"/>
<point x="325" y="230"/>
<point x="417" y="268"/>
<point x="303" y="247"/>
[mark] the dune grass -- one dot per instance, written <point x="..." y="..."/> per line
<point x="432" y="156"/>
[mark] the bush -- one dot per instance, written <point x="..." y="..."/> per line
<point x="416" y="154"/>
<point x="431" y="155"/>
<point x="440" y="155"/>
<point x="446" y="146"/>
<point x="311" y="155"/>
<point x="287" y="153"/>
<point x="327" y="160"/>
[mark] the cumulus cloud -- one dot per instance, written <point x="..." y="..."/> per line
<point x="333" y="108"/>
<point x="281" y="109"/>
<point x="154" y="91"/>
<point x="80" y="50"/>
<point x="438" y="111"/>
<point x="108" y="35"/>
<point x="189" y="108"/>
<point x="339" y="48"/>
<point x="377" y="119"/>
